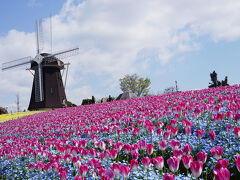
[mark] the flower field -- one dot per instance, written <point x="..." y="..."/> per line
<point x="11" y="116"/>
<point x="187" y="135"/>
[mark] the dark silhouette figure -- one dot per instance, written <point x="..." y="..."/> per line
<point x="93" y="100"/>
<point x="215" y="82"/>
<point x="225" y="81"/>
<point x="109" y="98"/>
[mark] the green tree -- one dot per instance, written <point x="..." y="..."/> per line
<point x="3" y="110"/>
<point x="135" y="84"/>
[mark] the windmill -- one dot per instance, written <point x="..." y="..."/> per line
<point x="47" y="89"/>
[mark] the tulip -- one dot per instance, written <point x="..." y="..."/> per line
<point x="187" y="149"/>
<point x="196" y="168"/>
<point x="212" y="135"/>
<point x="146" y="162"/>
<point x="162" y="145"/>
<point x="116" y="168"/>
<point x="187" y="161"/>
<point x="113" y="153"/>
<point x="149" y="149"/>
<point x="174" y="131"/>
<point x="222" y="163"/>
<point x="199" y="133"/>
<point x="178" y="153"/>
<point x="67" y="157"/>
<point x="173" y="164"/>
<point x="93" y="152"/>
<point x="83" y="170"/>
<point x="127" y="148"/>
<point x="237" y="132"/>
<point x="119" y="146"/>
<point x="142" y="144"/>
<point x="175" y="144"/>
<point x="217" y="152"/>
<point x="109" y="175"/>
<point x="158" y="162"/>
<point x="168" y="176"/>
<point x="166" y="135"/>
<point x="188" y="131"/>
<point x="133" y="164"/>
<point x="237" y="161"/>
<point x="221" y="174"/>
<point x="228" y="127"/>
<point x="125" y="171"/>
<point x="135" y="154"/>
<point x="159" y="132"/>
<point x="160" y="124"/>
<point x="202" y="156"/>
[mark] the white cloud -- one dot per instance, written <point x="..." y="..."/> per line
<point x="122" y="36"/>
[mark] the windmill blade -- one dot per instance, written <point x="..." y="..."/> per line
<point x="16" y="63"/>
<point x="63" y="54"/>
<point x="38" y="81"/>
<point x="39" y="36"/>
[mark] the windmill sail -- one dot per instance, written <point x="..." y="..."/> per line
<point x="17" y="63"/>
<point x="63" y="54"/>
<point x="38" y="81"/>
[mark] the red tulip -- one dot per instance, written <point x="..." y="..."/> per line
<point x="221" y="174"/>
<point x="173" y="164"/>
<point x="133" y="164"/>
<point x="149" y="149"/>
<point x="217" y="152"/>
<point x="187" y="160"/>
<point x="125" y="171"/>
<point x="202" y="156"/>
<point x="158" y="162"/>
<point x="168" y="176"/>
<point x="196" y="168"/>
<point x="146" y="162"/>
<point x="237" y="132"/>
<point x="163" y="145"/>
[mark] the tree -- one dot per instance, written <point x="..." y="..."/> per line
<point x="70" y="104"/>
<point x="3" y="110"/>
<point x="135" y="84"/>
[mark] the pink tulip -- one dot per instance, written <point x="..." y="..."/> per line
<point x="237" y="132"/>
<point x="221" y="174"/>
<point x="158" y="162"/>
<point x="159" y="132"/>
<point x="119" y="146"/>
<point x="166" y="135"/>
<point x="237" y="161"/>
<point x="217" y="152"/>
<point x="212" y="135"/>
<point x="142" y="144"/>
<point x="187" y="149"/>
<point x="109" y="175"/>
<point x="146" y="162"/>
<point x="127" y="148"/>
<point x="93" y="152"/>
<point x="173" y="164"/>
<point x="228" y="127"/>
<point x="125" y="171"/>
<point x="175" y="144"/>
<point x="196" y="168"/>
<point x="199" y="133"/>
<point x="133" y="164"/>
<point x="163" y="145"/>
<point x="160" y="124"/>
<point x="202" y="156"/>
<point x="134" y="154"/>
<point x="178" y="153"/>
<point x="222" y="163"/>
<point x="149" y="149"/>
<point x="67" y="157"/>
<point x="188" y="131"/>
<point x="187" y="161"/>
<point x="113" y="153"/>
<point x="83" y="169"/>
<point x="168" y="176"/>
<point x="116" y="168"/>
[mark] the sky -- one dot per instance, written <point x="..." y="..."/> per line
<point x="167" y="41"/>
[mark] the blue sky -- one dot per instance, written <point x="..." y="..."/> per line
<point x="162" y="40"/>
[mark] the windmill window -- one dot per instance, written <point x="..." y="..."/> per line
<point x="51" y="90"/>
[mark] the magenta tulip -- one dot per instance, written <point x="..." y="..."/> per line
<point x="196" y="168"/>
<point x="173" y="164"/>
